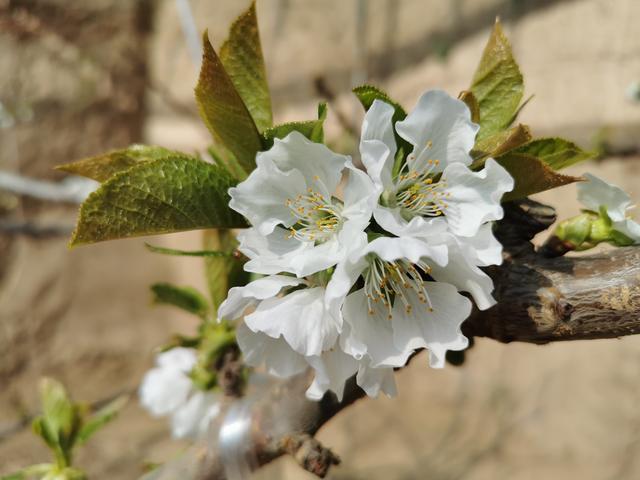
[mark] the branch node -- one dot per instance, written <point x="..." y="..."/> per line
<point x="309" y="453"/>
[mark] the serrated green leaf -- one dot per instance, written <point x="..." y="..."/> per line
<point x="497" y="84"/>
<point x="558" y="153"/>
<point x="241" y="55"/>
<point x="531" y="175"/>
<point x="185" y="298"/>
<point x="499" y="144"/>
<point x="367" y="94"/>
<point x="223" y="111"/>
<point x="162" y="196"/>
<point x="222" y="273"/>
<point x="312" y="129"/>
<point x="186" y="253"/>
<point x="102" y="167"/>
<point x="472" y="102"/>
<point x="100" y="418"/>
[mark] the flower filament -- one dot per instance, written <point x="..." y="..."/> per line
<point x="386" y="282"/>
<point x="417" y="192"/>
<point x="317" y="218"/>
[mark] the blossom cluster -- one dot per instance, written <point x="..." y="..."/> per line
<point x="168" y="390"/>
<point x="361" y="268"/>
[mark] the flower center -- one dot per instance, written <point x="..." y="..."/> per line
<point x="386" y="282"/>
<point x="317" y="218"/>
<point x="417" y="192"/>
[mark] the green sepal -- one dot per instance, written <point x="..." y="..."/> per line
<point x="312" y="129"/>
<point x="161" y="196"/>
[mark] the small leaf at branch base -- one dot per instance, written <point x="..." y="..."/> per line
<point x="224" y="158"/>
<point x="241" y="55"/>
<point x="499" y="144"/>
<point x="223" y="110"/>
<point x="312" y="129"/>
<point x="531" y="175"/>
<point x="162" y="196"/>
<point x="497" y="84"/>
<point x="222" y="273"/>
<point x="555" y="152"/>
<point x="472" y="102"/>
<point x="185" y="298"/>
<point x="105" y="166"/>
<point x="100" y="418"/>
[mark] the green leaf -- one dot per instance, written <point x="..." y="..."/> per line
<point x="186" y="253"/>
<point x="223" y="111"/>
<point x="100" y="418"/>
<point x="223" y="273"/>
<point x="227" y="160"/>
<point x="105" y="166"/>
<point x="312" y="129"/>
<point x="162" y="196"/>
<point x="497" y="84"/>
<point x="367" y="94"/>
<point x="558" y="153"/>
<point x="186" y="298"/>
<point x="531" y="175"/>
<point x="241" y="55"/>
<point x="39" y="470"/>
<point x="499" y="144"/>
<point x="472" y="102"/>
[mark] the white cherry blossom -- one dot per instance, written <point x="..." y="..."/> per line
<point x="596" y="194"/>
<point x="167" y="390"/>
<point x="299" y="224"/>
<point x="435" y="182"/>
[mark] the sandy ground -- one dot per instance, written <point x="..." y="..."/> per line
<point x="563" y="411"/>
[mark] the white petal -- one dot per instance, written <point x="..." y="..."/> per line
<point x="240" y="298"/>
<point x="179" y="358"/>
<point x="163" y="390"/>
<point x="300" y="317"/>
<point x="444" y="123"/>
<point x="595" y="193"/>
<point x="376" y="380"/>
<point x="413" y="249"/>
<point x="192" y="419"/>
<point x="377" y="143"/>
<point x="345" y="276"/>
<point x="275" y="354"/>
<point x="332" y="370"/>
<point x="320" y="167"/>
<point x="263" y="196"/>
<point x="483" y="249"/>
<point x="270" y="254"/>
<point x="461" y="272"/>
<point x="474" y="197"/>
<point x="360" y="196"/>
<point x="392" y="221"/>
<point x="369" y="334"/>
<point x="437" y="330"/>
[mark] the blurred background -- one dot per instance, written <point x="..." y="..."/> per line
<point x="78" y="78"/>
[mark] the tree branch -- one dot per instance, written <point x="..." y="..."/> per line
<point x="539" y="300"/>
